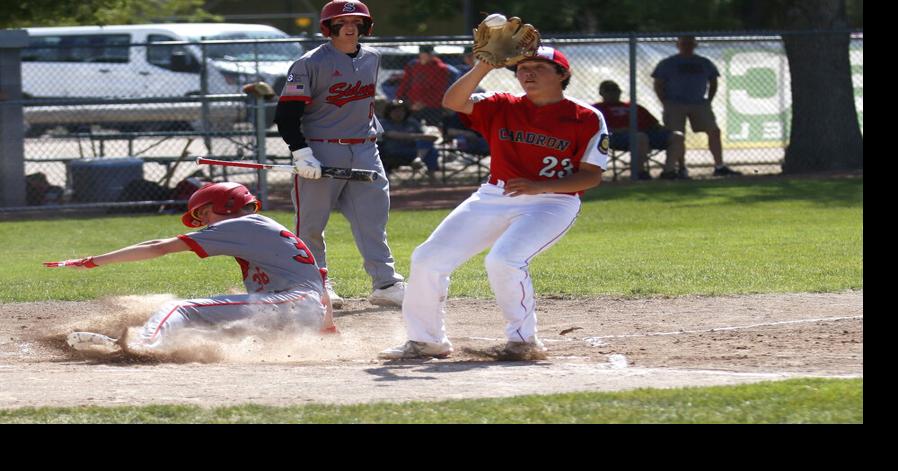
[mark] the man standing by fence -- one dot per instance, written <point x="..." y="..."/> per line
<point x="681" y="81"/>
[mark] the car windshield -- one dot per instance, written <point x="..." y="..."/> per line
<point x="247" y="52"/>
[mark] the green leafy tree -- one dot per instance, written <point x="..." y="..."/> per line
<point x="602" y="16"/>
<point x="30" y="13"/>
<point x="582" y="16"/>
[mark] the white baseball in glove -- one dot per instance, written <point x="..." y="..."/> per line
<point x="495" y="20"/>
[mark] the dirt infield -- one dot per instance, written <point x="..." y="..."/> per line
<point x="615" y="344"/>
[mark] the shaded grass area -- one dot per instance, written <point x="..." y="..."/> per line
<point x="791" y="401"/>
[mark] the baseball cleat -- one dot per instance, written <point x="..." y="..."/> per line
<point x="411" y="350"/>
<point x="390" y="296"/>
<point x="89" y="341"/>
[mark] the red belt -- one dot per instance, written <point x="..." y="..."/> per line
<point x="345" y="142"/>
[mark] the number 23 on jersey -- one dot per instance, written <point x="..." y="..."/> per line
<point x="554" y="168"/>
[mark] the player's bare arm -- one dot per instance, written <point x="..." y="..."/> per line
<point x="458" y="96"/>
<point x="143" y="251"/>
<point x="589" y="176"/>
<point x="134" y="253"/>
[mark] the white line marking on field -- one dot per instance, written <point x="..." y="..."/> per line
<point x="729" y="328"/>
<point x="748" y="374"/>
<point x="598" y="341"/>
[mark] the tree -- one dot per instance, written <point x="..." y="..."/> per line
<point x="825" y="130"/>
<point x="825" y="133"/>
<point x="603" y="16"/>
<point x="29" y="13"/>
<point x="582" y="16"/>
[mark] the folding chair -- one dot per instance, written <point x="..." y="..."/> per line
<point x="402" y="171"/>
<point x="454" y="161"/>
<point x="619" y="161"/>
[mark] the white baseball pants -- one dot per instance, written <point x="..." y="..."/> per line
<point x="517" y="228"/>
<point x="263" y="311"/>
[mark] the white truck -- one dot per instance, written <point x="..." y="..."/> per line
<point x="123" y="62"/>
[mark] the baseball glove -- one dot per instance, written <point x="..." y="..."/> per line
<point x="259" y="90"/>
<point x="505" y="45"/>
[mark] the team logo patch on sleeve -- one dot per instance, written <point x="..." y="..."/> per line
<point x="290" y="78"/>
<point x="604" y="143"/>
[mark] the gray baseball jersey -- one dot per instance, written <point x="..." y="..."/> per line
<point x="271" y="257"/>
<point x="338" y="91"/>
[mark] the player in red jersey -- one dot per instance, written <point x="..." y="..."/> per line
<point x="546" y="150"/>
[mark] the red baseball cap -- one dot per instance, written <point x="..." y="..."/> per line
<point x="552" y="55"/>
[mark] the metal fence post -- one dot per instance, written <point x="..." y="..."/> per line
<point x="635" y="158"/>
<point x="260" y="149"/>
<point x="204" y="91"/>
<point x="12" y="124"/>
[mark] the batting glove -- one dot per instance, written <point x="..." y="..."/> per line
<point x="305" y="164"/>
<point x="87" y="262"/>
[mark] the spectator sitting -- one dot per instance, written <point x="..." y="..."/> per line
<point x="681" y="81"/>
<point x="391" y="85"/>
<point x="650" y="133"/>
<point x="424" y="81"/>
<point x="468" y="58"/>
<point x="404" y="140"/>
<point x="466" y="139"/>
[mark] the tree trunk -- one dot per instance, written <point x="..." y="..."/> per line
<point x="825" y="132"/>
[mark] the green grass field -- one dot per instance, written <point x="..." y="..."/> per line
<point x="668" y="238"/>
<point x="793" y="402"/>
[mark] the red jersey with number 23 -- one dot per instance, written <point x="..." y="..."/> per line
<point x="538" y="142"/>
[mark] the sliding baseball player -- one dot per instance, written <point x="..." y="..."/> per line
<point x="284" y="286"/>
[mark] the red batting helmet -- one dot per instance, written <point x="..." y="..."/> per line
<point x="345" y="8"/>
<point x="225" y="198"/>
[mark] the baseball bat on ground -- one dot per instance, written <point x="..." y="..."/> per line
<point x="330" y="172"/>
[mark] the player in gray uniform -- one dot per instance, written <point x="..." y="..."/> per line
<point x="325" y="114"/>
<point x="283" y="283"/>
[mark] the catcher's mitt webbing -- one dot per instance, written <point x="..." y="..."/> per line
<point x="507" y="44"/>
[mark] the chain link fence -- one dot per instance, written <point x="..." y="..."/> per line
<point x="114" y="122"/>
